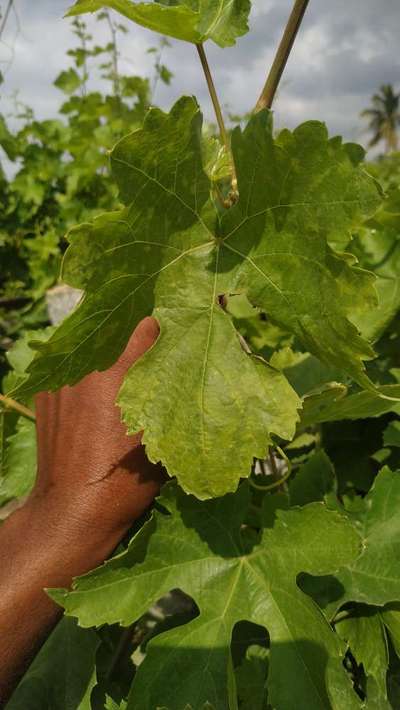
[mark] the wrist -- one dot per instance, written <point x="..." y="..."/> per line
<point x="78" y="528"/>
<point x="41" y="546"/>
<point x="61" y="541"/>
<point x="101" y="503"/>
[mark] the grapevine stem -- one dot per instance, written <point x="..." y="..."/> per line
<point x="9" y="403"/>
<point x="272" y="462"/>
<point x="114" y="55"/>
<point x="5" y="17"/>
<point x="217" y="107"/>
<point x="271" y="486"/>
<point x="282" y="55"/>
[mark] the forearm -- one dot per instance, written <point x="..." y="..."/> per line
<point x="93" y="482"/>
<point x="39" y="548"/>
<point x="45" y="544"/>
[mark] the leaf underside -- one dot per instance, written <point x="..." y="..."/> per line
<point x="203" y="401"/>
<point x="191" y="20"/>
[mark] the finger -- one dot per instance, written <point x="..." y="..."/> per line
<point x="142" y="339"/>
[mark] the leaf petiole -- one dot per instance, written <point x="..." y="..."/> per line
<point x="282" y="55"/>
<point x="9" y="403"/>
<point x="217" y="109"/>
<point x="276" y="484"/>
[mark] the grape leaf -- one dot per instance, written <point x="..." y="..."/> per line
<point x="200" y="548"/>
<point x="332" y="403"/>
<point x="340" y="689"/>
<point x="364" y="632"/>
<point x="374" y="578"/>
<point x="18" y="470"/>
<point x="191" y="20"/>
<point x="110" y="704"/>
<point x="251" y="679"/>
<point x="304" y="371"/>
<point x="21" y="355"/>
<point x="391" y="618"/>
<point x="377" y="249"/>
<point x="18" y="434"/>
<point x="171" y="249"/>
<point x="62" y="675"/>
<point x="68" y="81"/>
<point x="391" y="435"/>
<point x="388" y="288"/>
<point x="314" y="480"/>
<point x="8" y="141"/>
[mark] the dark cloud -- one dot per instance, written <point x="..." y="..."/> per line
<point x="345" y="50"/>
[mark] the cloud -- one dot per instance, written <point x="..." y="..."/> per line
<point x="344" y="51"/>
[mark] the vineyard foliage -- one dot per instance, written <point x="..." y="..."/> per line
<point x="60" y="174"/>
<point x="271" y="396"/>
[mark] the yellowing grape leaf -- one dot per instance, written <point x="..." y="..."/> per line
<point x="203" y="549"/>
<point x="191" y="20"/>
<point x="202" y="400"/>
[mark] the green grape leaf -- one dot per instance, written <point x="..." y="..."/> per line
<point x="364" y="632"/>
<point x="391" y="435"/>
<point x="332" y="403"/>
<point x="200" y="548"/>
<point x="8" y="141"/>
<point x="191" y="20"/>
<point x="388" y="289"/>
<point x="21" y="355"/>
<point x="304" y="371"/>
<point x="171" y="253"/>
<point x="377" y="249"/>
<point x="68" y="81"/>
<point x="18" y="470"/>
<point x="18" y="434"/>
<point x="374" y="578"/>
<point x="314" y="480"/>
<point x="63" y="674"/>
<point x="110" y="704"/>
<point x="251" y="678"/>
<point x="391" y="618"/>
<point x="340" y="690"/>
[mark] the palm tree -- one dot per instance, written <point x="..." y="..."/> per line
<point x="384" y="117"/>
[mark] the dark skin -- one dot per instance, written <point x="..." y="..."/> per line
<point x="93" y="482"/>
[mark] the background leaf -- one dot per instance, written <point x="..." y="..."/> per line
<point x="191" y="20"/>
<point x="374" y="578"/>
<point x="63" y="673"/>
<point x="18" y="472"/>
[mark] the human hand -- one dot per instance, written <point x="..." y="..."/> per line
<point x="93" y="482"/>
<point x="89" y="470"/>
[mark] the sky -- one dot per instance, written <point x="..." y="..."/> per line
<point x="345" y="50"/>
